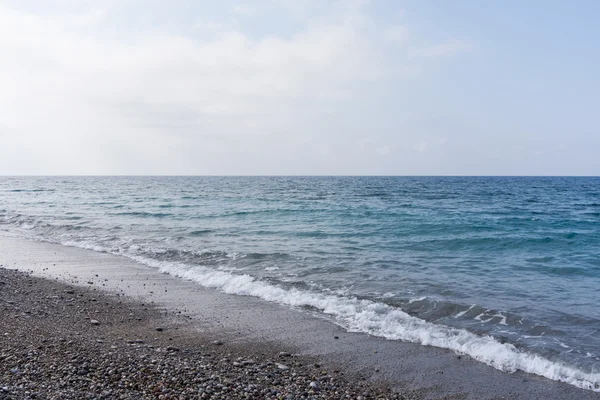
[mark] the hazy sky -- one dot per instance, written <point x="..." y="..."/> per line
<point x="300" y="87"/>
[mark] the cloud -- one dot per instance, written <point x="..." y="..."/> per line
<point x="445" y="48"/>
<point x="397" y="34"/>
<point x="73" y="79"/>
<point x="245" y="10"/>
<point x="232" y="74"/>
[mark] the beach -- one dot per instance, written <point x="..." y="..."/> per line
<point x="65" y="342"/>
<point x="297" y="200"/>
<point x="73" y="316"/>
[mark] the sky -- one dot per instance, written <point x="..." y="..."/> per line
<point x="299" y="87"/>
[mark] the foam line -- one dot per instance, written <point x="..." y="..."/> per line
<point x="377" y="319"/>
<point x="382" y="320"/>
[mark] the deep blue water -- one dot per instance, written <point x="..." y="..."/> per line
<point x="506" y="270"/>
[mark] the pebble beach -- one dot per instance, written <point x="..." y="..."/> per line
<point x="77" y="324"/>
<point x="64" y="342"/>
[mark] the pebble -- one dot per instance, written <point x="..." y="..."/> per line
<point x="54" y="356"/>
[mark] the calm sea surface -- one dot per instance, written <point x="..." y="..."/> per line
<point x="506" y="270"/>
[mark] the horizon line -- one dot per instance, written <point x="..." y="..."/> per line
<point x="288" y="176"/>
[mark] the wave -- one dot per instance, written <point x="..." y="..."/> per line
<point x="201" y="232"/>
<point x="207" y="257"/>
<point x="371" y="317"/>
<point x="248" y="213"/>
<point x="30" y="190"/>
<point x="482" y="242"/>
<point x="144" y="214"/>
<point x="365" y="315"/>
<point x="31" y="223"/>
<point x="382" y="320"/>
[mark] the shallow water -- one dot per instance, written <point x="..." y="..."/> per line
<point x="503" y="269"/>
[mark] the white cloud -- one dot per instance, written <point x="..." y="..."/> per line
<point x="397" y="34"/>
<point x="441" y="49"/>
<point x="245" y="10"/>
<point x="70" y="80"/>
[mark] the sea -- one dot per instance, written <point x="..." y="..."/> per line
<point x="505" y="270"/>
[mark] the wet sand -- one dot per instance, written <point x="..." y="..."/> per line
<point x="250" y="328"/>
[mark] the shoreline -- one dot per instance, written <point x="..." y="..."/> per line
<point x="68" y="342"/>
<point x="249" y="326"/>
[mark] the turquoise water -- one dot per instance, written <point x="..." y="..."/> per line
<point x="506" y="270"/>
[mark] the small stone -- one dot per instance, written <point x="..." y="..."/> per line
<point x="314" y="385"/>
<point x="94" y="322"/>
<point x="218" y="343"/>
<point x="284" y="354"/>
<point x="159" y="329"/>
<point x="282" y="366"/>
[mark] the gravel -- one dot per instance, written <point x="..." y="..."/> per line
<point x="64" y="342"/>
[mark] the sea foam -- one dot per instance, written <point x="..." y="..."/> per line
<point x="370" y="317"/>
<point x="379" y="319"/>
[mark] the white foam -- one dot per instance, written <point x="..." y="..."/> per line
<point x="478" y="318"/>
<point x="85" y="245"/>
<point x="502" y="318"/>
<point x="460" y="314"/>
<point x="417" y="299"/>
<point x="377" y="319"/>
<point x="381" y="320"/>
